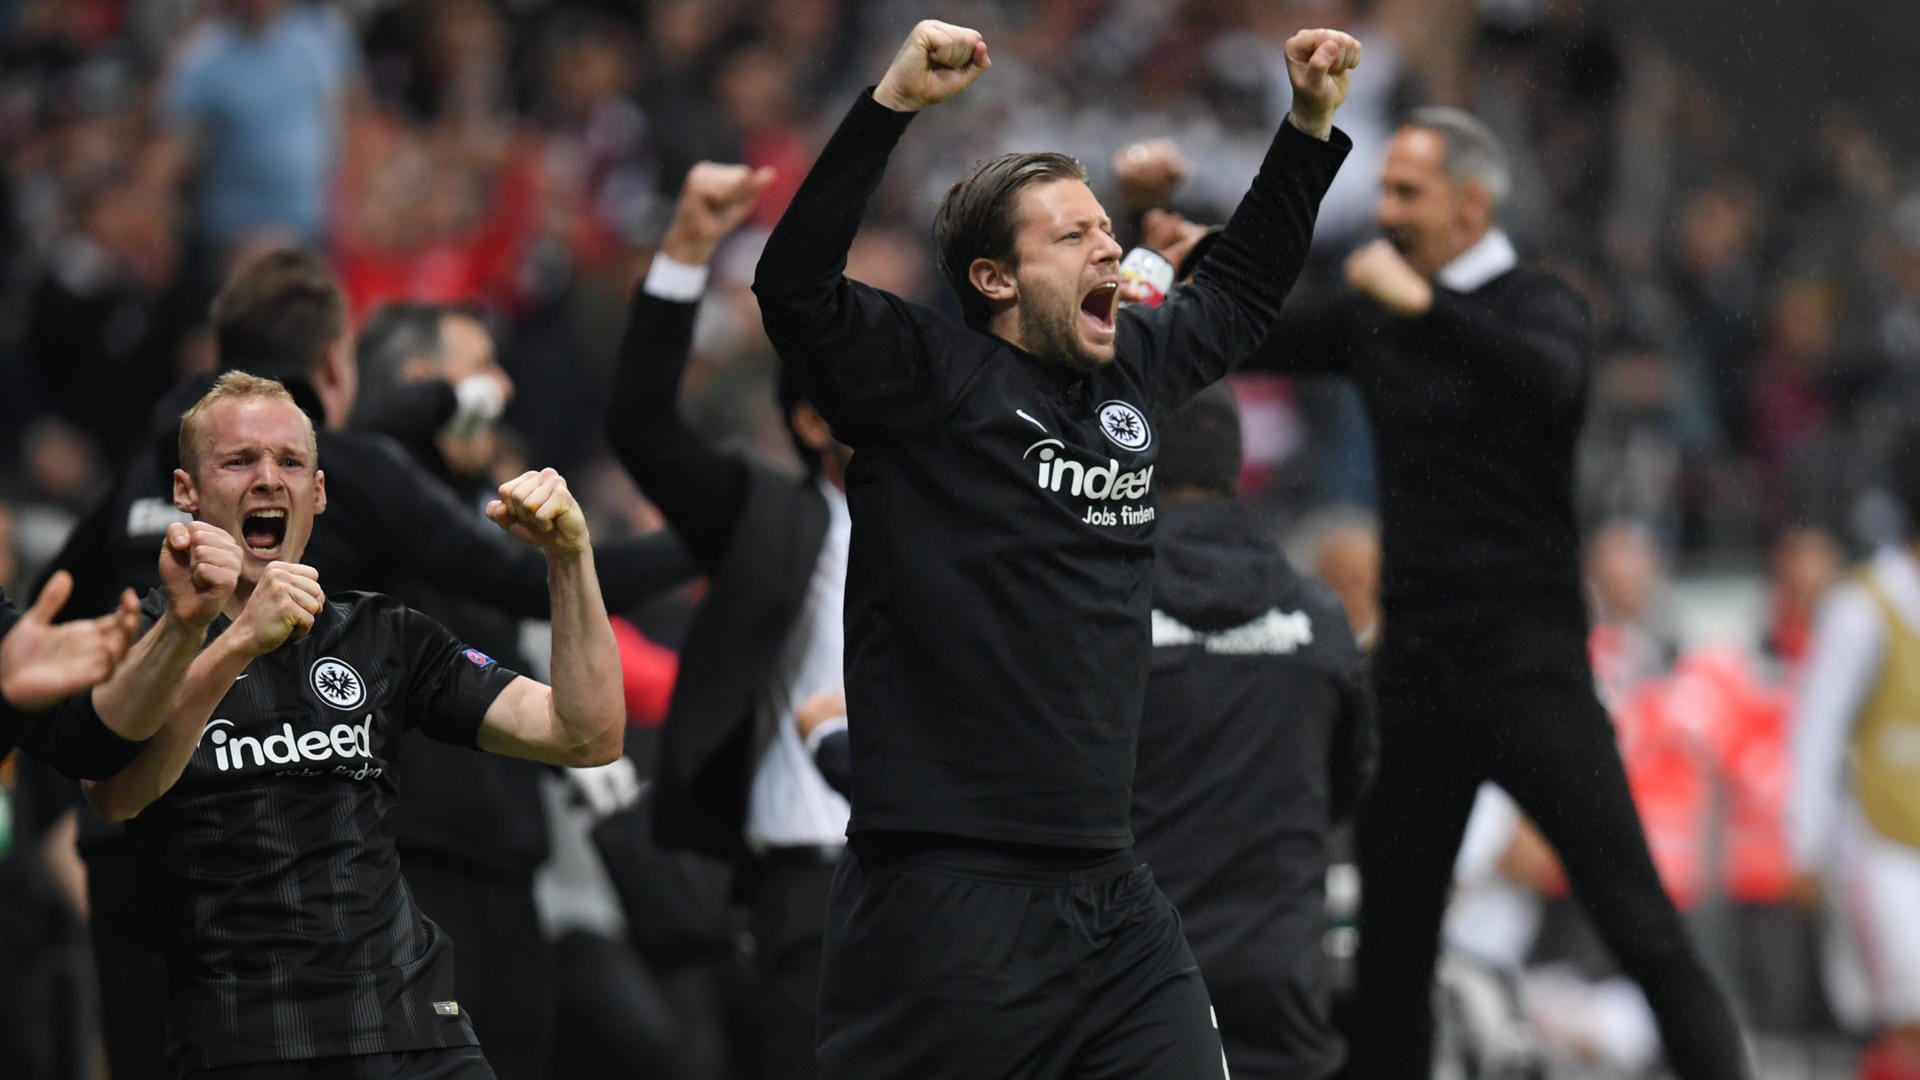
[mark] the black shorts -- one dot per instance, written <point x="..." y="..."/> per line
<point x="457" y="1063"/>
<point x="976" y="963"/>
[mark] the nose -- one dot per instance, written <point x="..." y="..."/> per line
<point x="1108" y="250"/>
<point x="266" y="476"/>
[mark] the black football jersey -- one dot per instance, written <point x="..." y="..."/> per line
<point x="292" y="933"/>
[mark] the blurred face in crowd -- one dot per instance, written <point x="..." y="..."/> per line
<point x="1424" y="213"/>
<point x="1066" y="276"/>
<point x="256" y="474"/>
<point x="467" y="351"/>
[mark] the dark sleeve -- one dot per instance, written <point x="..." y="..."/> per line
<point x="72" y="738"/>
<point x="412" y="413"/>
<point x="699" y="490"/>
<point x="1355" y="746"/>
<point x="872" y="363"/>
<point x="1227" y="309"/>
<point x="1535" y="347"/>
<point x="91" y="556"/>
<point x="449" y="686"/>
<point x="834" y="758"/>
<point x="389" y="505"/>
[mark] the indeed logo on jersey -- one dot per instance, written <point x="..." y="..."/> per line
<point x="1104" y="482"/>
<point x="300" y="751"/>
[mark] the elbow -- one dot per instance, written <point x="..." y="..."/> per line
<point x="114" y="811"/>
<point x="603" y="748"/>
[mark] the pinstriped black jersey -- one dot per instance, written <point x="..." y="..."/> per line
<point x="293" y="935"/>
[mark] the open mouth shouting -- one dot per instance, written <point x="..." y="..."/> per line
<point x="1096" y="309"/>
<point x="264" y="531"/>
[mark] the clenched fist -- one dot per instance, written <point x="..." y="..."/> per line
<point x="937" y="61"/>
<point x="1382" y="274"/>
<point x="714" y="201"/>
<point x="199" y="569"/>
<point x="539" y="511"/>
<point x="284" y="605"/>
<point x="1319" y="64"/>
<point x="41" y="664"/>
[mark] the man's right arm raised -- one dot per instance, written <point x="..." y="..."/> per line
<point x="862" y="352"/>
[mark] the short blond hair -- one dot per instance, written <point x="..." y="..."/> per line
<point x="233" y="386"/>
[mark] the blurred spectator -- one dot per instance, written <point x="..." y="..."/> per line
<point x="259" y="93"/>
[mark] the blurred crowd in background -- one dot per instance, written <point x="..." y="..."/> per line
<point x="1758" y="332"/>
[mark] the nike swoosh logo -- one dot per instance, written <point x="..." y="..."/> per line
<point x="237" y="678"/>
<point x="1022" y="414"/>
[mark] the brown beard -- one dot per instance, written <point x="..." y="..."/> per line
<point x="1054" y="340"/>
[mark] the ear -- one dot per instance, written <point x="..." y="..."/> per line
<point x="319" y="492"/>
<point x="994" y="279"/>
<point x="811" y="427"/>
<point x="1475" y="207"/>
<point x="185" y="498"/>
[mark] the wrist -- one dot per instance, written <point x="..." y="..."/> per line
<point x="892" y="99"/>
<point x="1308" y="123"/>
<point x="177" y="632"/>
<point x="686" y="248"/>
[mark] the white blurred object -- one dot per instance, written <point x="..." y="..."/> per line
<point x="607" y="789"/>
<point x="1607" y="1022"/>
<point x="479" y="402"/>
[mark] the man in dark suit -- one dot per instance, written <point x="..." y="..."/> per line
<point x="735" y="779"/>
<point x="1474" y="369"/>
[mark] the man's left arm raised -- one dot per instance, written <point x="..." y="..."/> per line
<point x="1208" y="327"/>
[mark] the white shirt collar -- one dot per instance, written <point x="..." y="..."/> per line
<point x="1492" y="256"/>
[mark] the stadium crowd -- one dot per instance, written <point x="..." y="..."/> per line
<point x="1758" y="345"/>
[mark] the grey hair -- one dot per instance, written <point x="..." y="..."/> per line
<point x="1474" y="152"/>
<point x="393" y="337"/>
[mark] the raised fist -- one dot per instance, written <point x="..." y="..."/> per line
<point x="539" y="511"/>
<point x="714" y="201"/>
<point x="1378" y="271"/>
<point x="283" y="605"/>
<point x="937" y="61"/>
<point x="1149" y="173"/>
<point x="1320" y="64"/>
<point x="199" y="568"/>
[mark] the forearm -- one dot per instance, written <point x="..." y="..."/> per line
<point x="588" y="712"/>
<point x="697" y="489"/>
<point x="806" y="254"/>
<point x="1233" y="300"/>
<point x="165" y="757"/>
<point x="134" y="703"/>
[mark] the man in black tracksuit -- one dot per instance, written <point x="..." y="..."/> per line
<point x="1255" y="739"/>
<point x="990" y="918"/>
<point x="734" y="779"/>
<point x="391" y="526"/>
<point x="1474" y="369"/>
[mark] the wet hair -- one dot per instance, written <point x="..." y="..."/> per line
<point x="233" y="386"/>
<point x="1200" y="445"/>
<point x="278" y="313"/>
<point x="980" y="215"/>
<point x="1474" y="152"/>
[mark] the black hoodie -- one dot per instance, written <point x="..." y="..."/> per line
<point x="1255" y="739"/>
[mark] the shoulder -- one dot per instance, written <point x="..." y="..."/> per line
<point x="1532" y="283"/>
<point x="1332" y="636"/>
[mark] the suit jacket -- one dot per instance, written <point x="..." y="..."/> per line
<point x="757" y="533"/>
